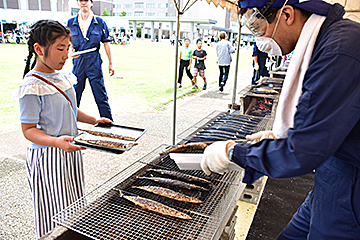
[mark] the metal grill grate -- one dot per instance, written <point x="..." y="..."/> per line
<point x="103" y="214"/>
<point x="224" y="126"/>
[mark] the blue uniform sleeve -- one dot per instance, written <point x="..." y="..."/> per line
<point x="327" y="114"/>
<point x="105" y="33"/>
<point x="255" y="51"/>
<point x="68" y="23"/>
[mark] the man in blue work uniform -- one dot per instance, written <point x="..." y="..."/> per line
<point x="259" y="64"/>
<point x="87" y="32"/>
<point x="326" y="132"/>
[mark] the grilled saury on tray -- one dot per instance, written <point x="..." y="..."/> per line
<point x="180" y="175"/>
<point x="175" y="183"/>
<point x="109" y="135"/>
<point x="264" y="91"/>
<point x="110" y="144"/>
<point x="186" y="147"/>
<point x="155" y="206"/>
<point x="165" y="192"/>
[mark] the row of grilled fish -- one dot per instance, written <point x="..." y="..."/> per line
<point x="155" y="206"/>
<point x="108" y="135"/>
<point x="165" y="192"/>
<point x="110" y="144"/>
<point x="174" y="182"/>
<point x="186" y="147"/>
<point x="180" y="175"/>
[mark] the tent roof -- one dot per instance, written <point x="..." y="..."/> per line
<point x="352" y="7"/>
<point x="31" y="16"/>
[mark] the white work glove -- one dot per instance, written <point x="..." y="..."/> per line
<point x="215" y="158"/>
<point x="256" y="137"/>
<point x="256" y="66"/>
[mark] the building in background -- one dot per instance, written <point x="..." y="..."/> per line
<point x="42" y="5"/>
<point x="98" y="7"/>
<point x="144" y="8"/>
<point x="56" y="5"/>
<point x="166" y="8"/>
<point x="155" y="12"/>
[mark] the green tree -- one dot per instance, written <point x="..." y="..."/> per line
<point x="105" y="12"/>
<point x="123" y="14"/>
<point x="138" y="30"/>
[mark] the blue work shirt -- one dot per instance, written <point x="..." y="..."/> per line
<point x="261" y="58"/>
<point x="97" y="32"/>
<point x="88" y="64"/>
<point x="327" y="120"/>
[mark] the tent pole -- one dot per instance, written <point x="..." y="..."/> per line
<point x="236" y="67"/>
<point x="176" y="69"/>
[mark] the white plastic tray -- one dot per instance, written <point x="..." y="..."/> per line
<point x="84" y="51"/>
<point x="192" y="161"/>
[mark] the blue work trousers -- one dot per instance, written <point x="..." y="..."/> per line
<point x="89" y="66"/>
<point x="332" y="209"/>
<point x="224" y="74"/>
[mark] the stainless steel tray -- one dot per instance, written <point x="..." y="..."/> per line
<point x="133" y="132"/>
<point x="120" y="130"/>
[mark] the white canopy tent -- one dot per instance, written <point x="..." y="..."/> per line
<point x="352" y="7"/>
<point x="31" y="16"/>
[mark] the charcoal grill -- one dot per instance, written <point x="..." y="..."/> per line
<point x="103" y="214"/>
<point x="276" y="82"/>
<point x="260" y="107"/>
<point x="248" y="98"/>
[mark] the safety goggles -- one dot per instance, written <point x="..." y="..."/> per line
<point x="255" y="22"/>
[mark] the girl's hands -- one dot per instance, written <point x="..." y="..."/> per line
<point x="64" y="142"/>
<point x="103" y="120"/>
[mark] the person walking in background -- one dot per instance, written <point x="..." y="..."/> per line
<point x="185" y="61"/>
<point x="212" y="40"/>
<point x="259" y="64"/>
<point x="223" y="52"/>
<point x="87" y="32"/>
<point x="48" y="116"/>
<point x="199" y="67"/>
<point x="17" y="36"/>
<point x="173" y="39"/>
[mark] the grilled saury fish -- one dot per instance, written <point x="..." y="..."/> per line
<point x="186" y="147"/>
<point x="110" y="144"/>
<point x="173" y="182"/>
<point x="165" y="192"/>
<point x="109" y="135"/>
<point x="155" y="206"/>
<point x="180" y="175"/>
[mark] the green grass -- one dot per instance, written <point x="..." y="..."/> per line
<point x="144" y="74"/>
